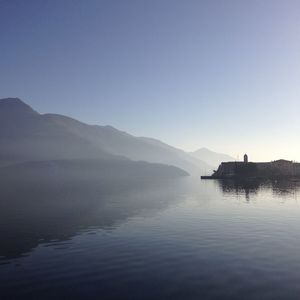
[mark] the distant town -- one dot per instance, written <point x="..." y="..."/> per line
<point x="244" y="169"/>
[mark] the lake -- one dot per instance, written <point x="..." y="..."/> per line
<point x="177" y="239"/>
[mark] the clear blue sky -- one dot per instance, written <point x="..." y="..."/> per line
<point x="220" y="74"/>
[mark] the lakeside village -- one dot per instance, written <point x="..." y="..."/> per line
<point x="254" y="170"/>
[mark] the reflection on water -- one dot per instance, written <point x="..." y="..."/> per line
<point x="39" y="213"/>
<point x="252" y="186"/>
<point x="178" y="239"/>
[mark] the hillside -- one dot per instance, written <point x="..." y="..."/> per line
<point x="26" y="135"/>
<point x="211" y="157"/>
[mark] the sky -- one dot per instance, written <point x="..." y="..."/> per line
<point x="218" y="74"/>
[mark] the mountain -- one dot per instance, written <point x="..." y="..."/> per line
<point x="26" y="135"/>
<point x="194" y="164"/>
<point x="211" y="157"/>
<point x="117" y="142"/>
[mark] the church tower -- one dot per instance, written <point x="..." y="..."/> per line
<point x="245" y="158"/>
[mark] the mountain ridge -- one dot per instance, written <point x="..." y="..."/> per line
<point x="211" y="157"/>
<point x="32" y="136"/>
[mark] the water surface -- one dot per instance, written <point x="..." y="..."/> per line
<point x="178" y="239"/>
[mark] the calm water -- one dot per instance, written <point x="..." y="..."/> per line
<point x="180" y="239"/>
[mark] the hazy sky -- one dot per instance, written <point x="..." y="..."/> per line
<point x="220" y="74"/>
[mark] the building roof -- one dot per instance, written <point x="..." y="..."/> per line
<point x="282" y="161"/>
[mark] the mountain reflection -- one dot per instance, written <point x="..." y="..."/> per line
<point x="282" y="187"/>
<point x="43" y="212"/>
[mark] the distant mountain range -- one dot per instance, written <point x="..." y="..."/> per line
<point x="210" y="157"/>
<point x="26" y="135"/>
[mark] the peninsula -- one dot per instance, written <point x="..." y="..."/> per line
<point x="244" y="169"/>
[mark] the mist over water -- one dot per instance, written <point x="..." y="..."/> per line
<point x="158" y="239"/>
